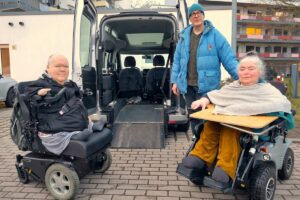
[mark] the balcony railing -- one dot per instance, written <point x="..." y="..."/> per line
<point x="273" y="55"/>
<point x="268" y="37"/>
<point x="267" y="18"/>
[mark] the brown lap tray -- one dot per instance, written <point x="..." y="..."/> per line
<point x="244" y="121"/>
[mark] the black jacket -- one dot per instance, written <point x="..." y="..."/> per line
<point x="66" y="114"/>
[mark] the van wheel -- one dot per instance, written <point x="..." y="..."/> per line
<point x="10" y="98"/>
<point x="106" y="160"/>
<point x="61" y="181"/>
<point x="263" y="182"/>
<point x="287" y="166"/>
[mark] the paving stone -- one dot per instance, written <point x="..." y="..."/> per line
<point x="135" y="174"/>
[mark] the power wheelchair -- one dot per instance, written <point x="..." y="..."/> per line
<point x="265" y="156"/>
<point x="61" y="173"/>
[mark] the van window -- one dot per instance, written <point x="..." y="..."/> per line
<point x="143" y="61"/>
<point x="85" y="29"/>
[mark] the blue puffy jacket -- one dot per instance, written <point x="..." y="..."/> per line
<point x="213" y="49"/>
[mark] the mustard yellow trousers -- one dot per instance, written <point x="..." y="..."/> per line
<point x="219" y="143"/>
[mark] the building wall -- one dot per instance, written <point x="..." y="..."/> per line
<point x="30" y="45"/>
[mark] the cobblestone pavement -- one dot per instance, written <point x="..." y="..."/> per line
<point x="135" y="174"/>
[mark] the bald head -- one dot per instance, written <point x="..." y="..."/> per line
<point x="58" y="68"/>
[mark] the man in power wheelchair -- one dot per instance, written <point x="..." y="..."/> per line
<point x="50" y="121"/>
<point x="235" y="148"/>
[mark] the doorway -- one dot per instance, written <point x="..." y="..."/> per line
<point x="4" y="60"/>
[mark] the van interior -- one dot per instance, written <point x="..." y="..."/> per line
<point x="134" y="59"/>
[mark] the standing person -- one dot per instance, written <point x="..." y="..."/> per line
<point x="199" y="53"/>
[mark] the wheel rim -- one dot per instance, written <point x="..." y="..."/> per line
<point x="60" y="182"/>
<point x="289" y="164"/>
<point x="270" y="188"/>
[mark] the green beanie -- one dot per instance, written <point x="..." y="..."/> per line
<point x="194" y="7"/>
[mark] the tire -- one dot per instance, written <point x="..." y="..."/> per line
<point x="287" y="166"/>
<point x="263" y="182"/>
<point x="105" y="164"/>
<point x="62" y="182"/>
<point x="23" y="175"/>
<point x="10" y="97"/>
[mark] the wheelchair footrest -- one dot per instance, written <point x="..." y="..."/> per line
<point x="211" y="183"/>
<point x="194" y="175"/>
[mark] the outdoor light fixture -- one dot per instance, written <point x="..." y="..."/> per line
<point x="21" y="23"/>
<point x="10" y="24"/>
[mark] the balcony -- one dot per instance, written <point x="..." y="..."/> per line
<point x="276" y="56"/>
<point x="268" y="38"/>
<point x="267" y="19"/>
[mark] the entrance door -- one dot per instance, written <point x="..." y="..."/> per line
<point x="5" y="62"/>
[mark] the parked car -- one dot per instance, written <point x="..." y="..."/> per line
<point x="7" y="93"/>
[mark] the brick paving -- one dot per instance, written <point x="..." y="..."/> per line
<point x="135" y="174"/>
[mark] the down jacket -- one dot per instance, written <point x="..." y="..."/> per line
<point x="213" y="49"/>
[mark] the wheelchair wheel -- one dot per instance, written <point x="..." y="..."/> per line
<point x="106" y="160"/>
<point x="263" y="182"/>
<point x="61" y="181"/>
<point x="287" y="166"/>
<point x="22" y="175"/>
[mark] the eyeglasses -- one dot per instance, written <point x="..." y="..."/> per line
<point x="196" y="13"/>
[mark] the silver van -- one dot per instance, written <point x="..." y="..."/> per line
<point x="123" y="64"/>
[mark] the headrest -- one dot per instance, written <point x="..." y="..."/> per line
<point x="158" y="60"/>
<point x="129" y="61"/>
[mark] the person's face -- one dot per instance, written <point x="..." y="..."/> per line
<point x="197" y="18"/>
<point x="248" y="73"/>
<point x="58" y="69"/>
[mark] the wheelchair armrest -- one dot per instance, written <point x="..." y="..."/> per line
<point x="82" y="136"/>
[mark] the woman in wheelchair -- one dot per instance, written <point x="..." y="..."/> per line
<point x="219" y="146"/>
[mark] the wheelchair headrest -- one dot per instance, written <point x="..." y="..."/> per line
<point x="158" y="60"/>
<point x="129" y="61"/>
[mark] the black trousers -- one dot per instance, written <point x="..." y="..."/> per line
<point x="192" y="95"/>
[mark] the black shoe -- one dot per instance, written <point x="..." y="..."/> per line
<point x="193" y="162"/>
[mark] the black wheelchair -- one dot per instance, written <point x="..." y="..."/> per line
<point x="265" y="156"/>
<point x="61" y="173"/>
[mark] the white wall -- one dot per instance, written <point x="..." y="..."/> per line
<point x="30" y="45"/>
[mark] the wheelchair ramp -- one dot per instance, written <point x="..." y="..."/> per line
<point x="140" y="126"/>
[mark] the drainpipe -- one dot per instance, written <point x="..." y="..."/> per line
<point x="234" y="25"/>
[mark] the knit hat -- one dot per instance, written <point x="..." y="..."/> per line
<point x="194" y="7"/>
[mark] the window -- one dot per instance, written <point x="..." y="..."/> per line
<point x="277" y="49"/>
<point x="257" y="49"/>
<point x="251" y="12"/>
<point x="268" y="49"/>
<point x="295" y="50"/>
<point x="253" y="31"/>
<point x="285" y="32"/>
<point x="277" y="31"/>
<point x="85" y="30"/>
<point x="249" y="48"/>
<point x="284" y="49"/>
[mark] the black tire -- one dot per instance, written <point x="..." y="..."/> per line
<point x="106" y="163"/>
<point x="10" y="97"/>
<point x="62" y="182"/>
<point x="263" y="182"/>
<point x="23" y="175"/>
<point x="287" y="166"/>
